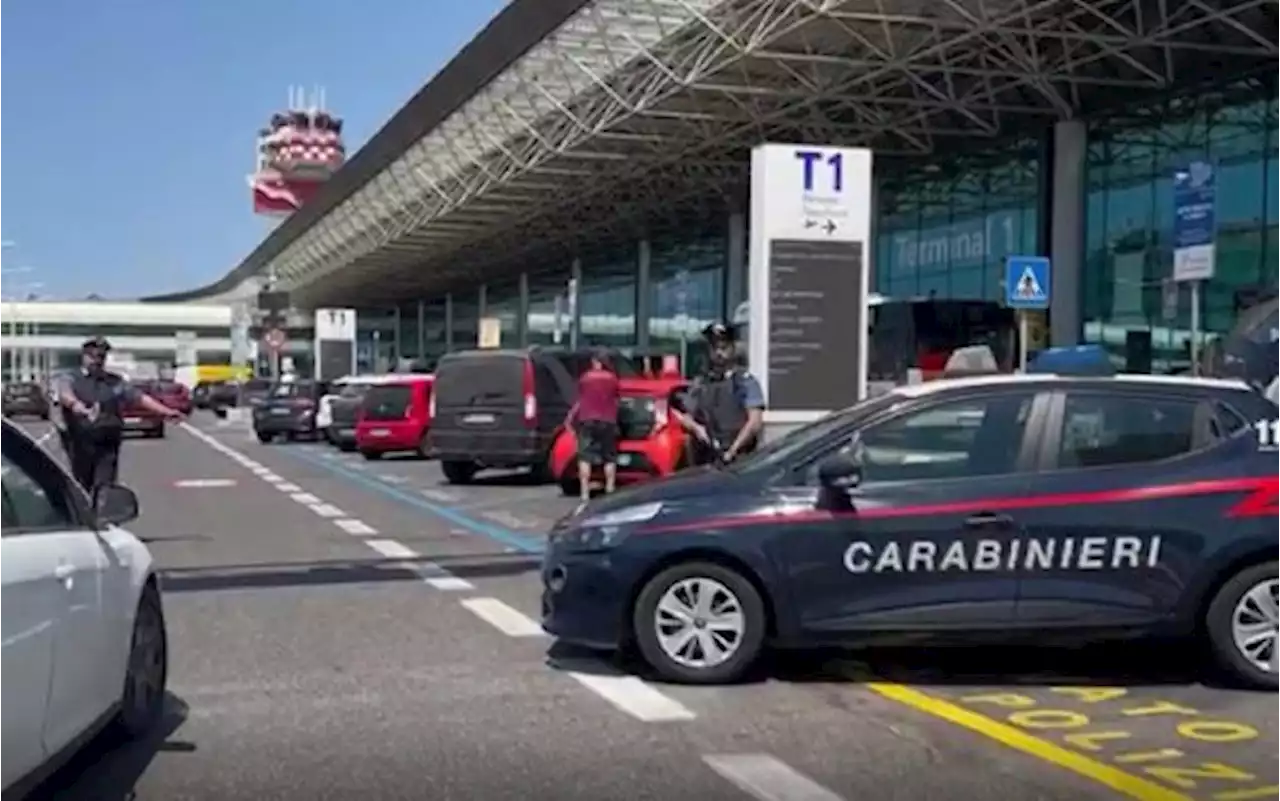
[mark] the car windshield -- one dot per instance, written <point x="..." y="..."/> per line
<point x="777" y="453"/>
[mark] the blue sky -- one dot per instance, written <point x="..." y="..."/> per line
<point x="128" y="126"/>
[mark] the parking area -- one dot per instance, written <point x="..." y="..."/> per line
<point x="343" y="626"/>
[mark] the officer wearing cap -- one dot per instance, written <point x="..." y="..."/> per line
<point x="724" y="409"/>
<point x="92" y="404"/>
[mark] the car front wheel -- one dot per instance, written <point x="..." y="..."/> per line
<point x="1243" y="627"/>
<point x="700" y="623"/>
<point x="264" y="438"/>
<point x="146" y="675"/>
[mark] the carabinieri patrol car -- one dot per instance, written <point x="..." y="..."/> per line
<point x="1039" y="507"/>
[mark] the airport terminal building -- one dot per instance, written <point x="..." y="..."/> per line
<point x="599" y="152"/>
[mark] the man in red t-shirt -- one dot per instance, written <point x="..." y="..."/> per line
<point x="594" y="418"/>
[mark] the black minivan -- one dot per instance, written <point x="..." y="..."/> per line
<point x="502" y="408"/>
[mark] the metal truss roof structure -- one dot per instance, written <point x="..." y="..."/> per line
<point x="636" y="112"/>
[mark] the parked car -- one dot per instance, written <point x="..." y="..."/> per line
<point x="138" y="419"/>
<point x="288" y="410"/>
<point x="25" y="398"/>
<point x="502" y="408"/>
<point x="85" y="646"/>
<point x="650" y="444"/>
<point x="173" y="394"/>
<point x="254" y="392"/>
<point x="336" y="417"/>
<point x="394" y="416"/>
<point x="201" y="394"/>
<point x="224" y="395"/>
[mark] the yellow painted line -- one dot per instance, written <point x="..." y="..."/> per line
<point x="1017" y="739"/>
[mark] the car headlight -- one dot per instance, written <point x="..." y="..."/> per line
<point x="606" y="530"/>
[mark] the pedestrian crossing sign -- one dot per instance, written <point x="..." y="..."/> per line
<point x="1027" y="282"/>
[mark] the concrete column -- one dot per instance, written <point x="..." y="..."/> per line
<point x="522" y="315"/>
<point x="735" y="280"/>
<point x="482" y="301"/>
<point x="422" y="329"/>
<point x="644" y="259"/>
<point x="1066" y="231"/>
<point x="448" y="322"/>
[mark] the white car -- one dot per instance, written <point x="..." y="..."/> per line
<point x="84" y="641"/>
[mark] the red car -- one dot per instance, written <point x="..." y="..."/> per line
<point x="140" y="420"/>
<point x="650" y="444"/>
<point x="394" y="416"/>
<point x="171" y="394"/>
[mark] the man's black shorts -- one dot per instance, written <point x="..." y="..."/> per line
<point x="597" y="442"/>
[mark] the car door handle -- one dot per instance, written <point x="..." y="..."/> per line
<point x="988" y="520"/>
<point x="64" y="572"/>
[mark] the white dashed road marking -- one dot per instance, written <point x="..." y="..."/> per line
<point x="633" y="696"/>
<point x="288" y="486"/>
<point x="504" y="618"/>
<point x="440" y="496"/>
<point x="306" y="498"/>
<point x="327" y="510"/>
<point x="205" y="483"/>
<point x="357" y="528"/>
<point x="429" y="572"/>
<point x="768" y="779"/>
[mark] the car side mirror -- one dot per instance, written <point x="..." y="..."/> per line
<point x="115" y="505"/>
<point x="840" y="472"/>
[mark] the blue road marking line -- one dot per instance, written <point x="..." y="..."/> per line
<point x="504" y="536"/>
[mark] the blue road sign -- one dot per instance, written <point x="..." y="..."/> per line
<point x="1194" y="221"/>
<point x="1027" y="282"/>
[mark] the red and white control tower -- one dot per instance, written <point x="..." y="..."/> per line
<point x="297" y="152"/>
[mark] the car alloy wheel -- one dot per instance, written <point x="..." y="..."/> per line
<point x="1255" y="625"/>
<point x="699" y="623"/>
<point x="146" y="673"/>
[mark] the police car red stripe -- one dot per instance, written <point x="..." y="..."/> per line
<point x="1261" y="500"/>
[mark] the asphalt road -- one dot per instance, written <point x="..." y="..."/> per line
<point x="348" y="629"/>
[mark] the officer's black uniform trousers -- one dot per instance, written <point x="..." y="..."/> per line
<point x="95" y="460"/>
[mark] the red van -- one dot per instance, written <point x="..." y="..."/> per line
<point x="394" y="416"/>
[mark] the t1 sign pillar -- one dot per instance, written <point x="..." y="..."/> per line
<point x="335" y="343"/>
<point x="809" y="271"/>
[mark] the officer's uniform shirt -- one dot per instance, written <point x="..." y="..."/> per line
<point x="109" y="392"/>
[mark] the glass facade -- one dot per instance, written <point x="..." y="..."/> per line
<point x="407" y="342"/>
<point x="686" y="290"/>
<point x="376" y="331"/>
<point x="607" y="299"/>
<point x="1129" y="217"/>
<point x="465" y="326"/>
<point x="947" y="234"/>
<point x="434" y="334"/>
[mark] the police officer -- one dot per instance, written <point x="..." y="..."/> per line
<point x="725" y="406"/>
<point x="93" y="411"/>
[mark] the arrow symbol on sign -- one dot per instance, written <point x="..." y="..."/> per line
<point x="810" y="223"/>
<point x="830" y="227"/>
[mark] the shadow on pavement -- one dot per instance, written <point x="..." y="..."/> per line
<point x="338" y="572"/>
<point x="106" y="770"/>
<point x="1104" y="664"/>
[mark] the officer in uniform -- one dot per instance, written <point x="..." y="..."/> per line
<point x="93" y="402"/>
<point x="724" y="409"/>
